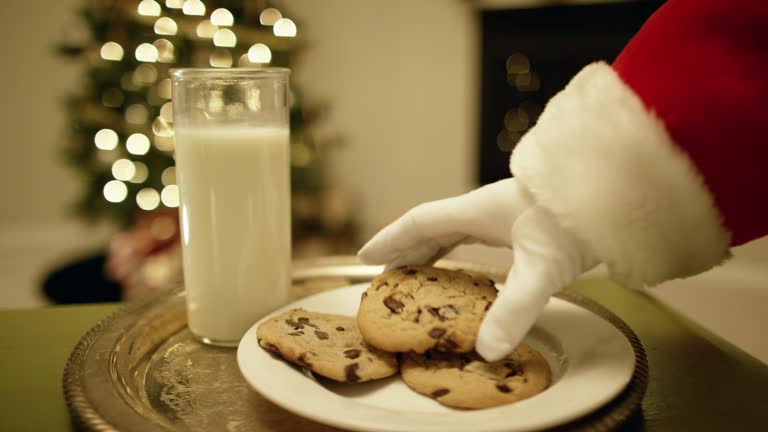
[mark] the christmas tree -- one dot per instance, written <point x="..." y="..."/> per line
<point x="121" y="137"/>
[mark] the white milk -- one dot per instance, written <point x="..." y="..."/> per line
<point x="236" y="226"/>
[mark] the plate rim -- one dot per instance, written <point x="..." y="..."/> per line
<point x="637" y="378"/>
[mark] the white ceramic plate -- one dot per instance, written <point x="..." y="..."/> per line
<point x="591" y="363"/>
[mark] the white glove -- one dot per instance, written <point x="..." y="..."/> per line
<point x="546" y="257"/>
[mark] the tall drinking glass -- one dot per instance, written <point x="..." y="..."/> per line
<point x="232" y="166"/>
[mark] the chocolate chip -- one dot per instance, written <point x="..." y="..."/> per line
<point x="418" y="315"/>
<point x="436" y="333"/>
<point x="303" y="360"/>
<point x="448" y="345"/>
<point x="321" y="335"/>
<point x="381" y="285"/>
<point x="294" y="324"/>
<point x="410" y="272"/>
<point x="365" y="294"/>
<point x="352" y="353"/>
<point x="305" y="321"/>
<point x="432" y="279"/>
<point x="350" y="372"/>
<point x="339" y="328"/>
<point x="393" y="304"/>
<point x="432" y="311"/>
<point x="488" y="306"/>
<point x="440" y="392"/>
<point x="475" y="284"/>
<point x="396" y="285"/>
<point x="273" y="347"/>
<point x="296" y="333"/>
<point x="503" y="388"/>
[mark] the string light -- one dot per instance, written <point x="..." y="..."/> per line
<point x="221" y="58"/>
<point x="225" y="38"/>
<point x="259" y="53"/>
<point x="193" y="7"/>
<point x="148" y="199"/>
<point x="516" y="120"/>
<point x="174" y="4"/>
<point x="222" y="17"/>
<point x="269" y="16"/>
<point x="161" y="128"/>
<point x="145" y="74"/>
<point x="166" y="26"/>
<point x="164" y="88"/>
<point x="136" y="114"/>
<point x="115" y="191"/>
<point x="141" y="173"/>
<point x="206" y="30"/>
<point x="111" y="51"/>
<point x="168" y="177"/>
<point x="137" y="144"/>
<point x="170" y="196"/>
<point x="164" y="143"/>
<point x="166" y="112"/>
<point x="123" y="169"/>
<point x="518" y="64"/>
<point x="165" y="50"/>
<point x="149" y="8"/>
<point x="527" y="82"/>
<point x="284" y="27"/>
<point x="146" y="53"/>
<point x="105" y="139"/>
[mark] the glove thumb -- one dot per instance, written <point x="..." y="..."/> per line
<point x="546" y="259"/>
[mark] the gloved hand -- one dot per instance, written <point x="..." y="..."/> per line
<point x="546" y="257"/>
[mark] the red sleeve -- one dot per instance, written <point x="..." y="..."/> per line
<point x="700" y="66"/>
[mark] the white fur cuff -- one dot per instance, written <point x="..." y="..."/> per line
<point x="609" y="171"/>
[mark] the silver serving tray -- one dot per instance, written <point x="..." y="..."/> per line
<point x="142" y="370"/>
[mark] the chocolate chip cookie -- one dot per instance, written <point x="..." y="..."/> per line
<point x="467" y="381"/>
<point x="418" y="308"/>
<point x="329" y="345"/>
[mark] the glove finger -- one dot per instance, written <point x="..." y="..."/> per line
<point x="427" y="252"/>
<point x="429" y="221"/>
<point x="508" y="321"/>
<point x="546" y="259"/>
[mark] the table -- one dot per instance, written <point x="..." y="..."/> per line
<point x="698" y="381"/>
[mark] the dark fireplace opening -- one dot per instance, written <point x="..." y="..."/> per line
<point x="528" y="55"/>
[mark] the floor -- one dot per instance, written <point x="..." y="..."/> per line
<point x="730" y="301"/>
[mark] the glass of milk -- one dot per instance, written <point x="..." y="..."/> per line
<point x="232" y="166"/>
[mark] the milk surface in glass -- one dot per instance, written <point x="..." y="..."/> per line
<point x="235" y="219"/>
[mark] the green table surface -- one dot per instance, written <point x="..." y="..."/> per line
<point x="698" y="382"/>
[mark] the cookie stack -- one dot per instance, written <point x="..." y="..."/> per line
<point x="425" y="317"/>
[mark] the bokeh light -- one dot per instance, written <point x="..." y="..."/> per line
<point x="259" y="53"/>
<point x="284" y="27"/>
<point x="206" y="30"/>
<point x="170" y="196"/>
<point x="123" y="169"/>
<point x="141" y="173"/>
<point x="269" y="16"/>
<point x="111" y="51"/>
<point x="166" y="26"/>
<point x="136" y="114"/>
<point x="148" y="199"/>
<point x="193" y="7"/>
<point x="137" y="144"/>
<point x="115" y="191"/>
<point x="224" y="38"/>
<point x="149" y="8"/>
<point x="146" y="52"/>
<point x="221" y="58"/>
<point x="222" y="17"/>
<point x="165" y="51"/>
<point x="105" y="139"/>
<point x="168" y="177"/>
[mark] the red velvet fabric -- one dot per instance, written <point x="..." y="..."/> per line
<point x="702" y="67"/>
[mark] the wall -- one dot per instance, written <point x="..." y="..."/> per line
<point x="400" y="77"/>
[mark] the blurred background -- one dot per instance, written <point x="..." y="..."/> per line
<point x="395" y="103"/>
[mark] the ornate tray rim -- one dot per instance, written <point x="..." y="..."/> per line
<point x="86" y="416"/>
